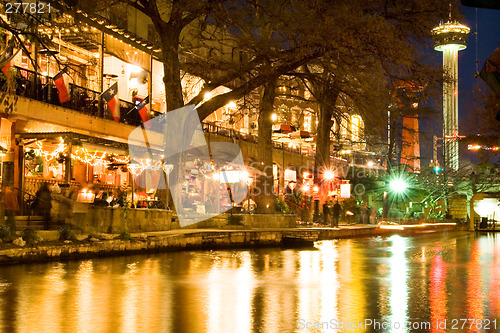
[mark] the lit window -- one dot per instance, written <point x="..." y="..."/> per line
<point x="308" y="122"/>
<point x="355" y="126"/>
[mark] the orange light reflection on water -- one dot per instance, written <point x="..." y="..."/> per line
<point x="474" y="292"/>
<point x="437" y="292"/>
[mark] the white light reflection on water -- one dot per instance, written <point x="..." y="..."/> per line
<point x="129" y="310"/>
<point x="244" y="283"/>
<point x="306" y="298"/>
<point x="329" y="281"/>
<point x="84" y="296"/>
<point x="399" y="286"/>
<point x="230" y="286"/>
<point x="41" y="295"/>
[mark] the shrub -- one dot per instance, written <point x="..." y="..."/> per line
<point x="30" y="236"/>
<point x="235" y="220"/>
<point x="125" y="235"/>
<point x="5" y="234"/>
<point x="92" y="235"/>
<point x="282" y="206"/>
<point x="66" y="234"/>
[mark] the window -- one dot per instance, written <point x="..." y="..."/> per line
<point x="355" y="128"/>
<point x="308" y="122"/>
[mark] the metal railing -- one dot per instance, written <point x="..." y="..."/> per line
<point x="83" y="100"/>
<point x="235" y="134"/>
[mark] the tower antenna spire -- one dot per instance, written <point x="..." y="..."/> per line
<point x="449" y="11"/>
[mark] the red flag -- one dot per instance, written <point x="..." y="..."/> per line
<point x="110" y="96"/>
<point x="61" y="87"/>
<point x="6" y="68"/>
<point x="143" y="109"/>
<point x="6" y="60"/>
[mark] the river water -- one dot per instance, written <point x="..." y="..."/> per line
<point x="447" y="282"/>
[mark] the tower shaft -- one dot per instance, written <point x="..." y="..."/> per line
<point x="450" y="105"/>
<point x="449" y="38"/>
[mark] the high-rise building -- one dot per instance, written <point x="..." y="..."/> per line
<point x="449" y="38"/>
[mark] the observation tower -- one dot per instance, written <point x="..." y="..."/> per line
<point x="449" y="38"/>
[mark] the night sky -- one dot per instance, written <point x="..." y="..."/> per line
<point x="488" y="39"/>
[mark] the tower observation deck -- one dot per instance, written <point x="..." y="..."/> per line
<point x="449" y="38"/>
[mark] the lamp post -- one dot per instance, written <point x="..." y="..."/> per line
<point x="397" y="187"/>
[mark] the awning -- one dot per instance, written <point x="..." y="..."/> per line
<point x="283" y="128"/>
<point x="77" y="139"/>
<point x="300" y="134"/>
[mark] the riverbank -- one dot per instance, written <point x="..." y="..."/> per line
<point x="80" y="247"/>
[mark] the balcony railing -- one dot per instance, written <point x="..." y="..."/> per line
<point x="83" y="100"/>
<point x="86" y="101"/>
<point x="231" y="133"/>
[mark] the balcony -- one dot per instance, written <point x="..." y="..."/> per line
<point x="83" y="100"/>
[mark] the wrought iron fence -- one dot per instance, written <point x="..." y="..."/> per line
<point x="83" y="100"/>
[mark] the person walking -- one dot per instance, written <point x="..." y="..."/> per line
<point x="11" y="207"/>
<point x="44" y="204"/>
<point x="336" y="214"/>
<point x="326" y="213"/>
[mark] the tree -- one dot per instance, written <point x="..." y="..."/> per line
<point x="360" y="45"/>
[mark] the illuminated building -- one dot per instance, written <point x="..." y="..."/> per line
<point x="449" y="38"/>
<point x="79" y="141"/>
<point x="406" y="103"/>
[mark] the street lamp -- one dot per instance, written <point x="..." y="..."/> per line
<point x="328" y="175"/>
<point x="398" y="185"/>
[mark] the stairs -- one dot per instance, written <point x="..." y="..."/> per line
<point x="293" y="206"/>
<point x="33" y="222"/>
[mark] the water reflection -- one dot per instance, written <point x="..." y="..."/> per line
<point x="399" y="287"/>
<point x="340" y="284"/>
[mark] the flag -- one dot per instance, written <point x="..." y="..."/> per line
<point x="490" y="72"/>
<point x="143" y="109"/>
<point x="6" y="68"/>
<point x="61" y="87"/>
<point x="5" y="59"/>
<point x="111" y="98"/>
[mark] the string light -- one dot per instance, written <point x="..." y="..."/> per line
<point x="139" y="166"/>
<point x="49" y="156"/>
<point x="104" y="159"/>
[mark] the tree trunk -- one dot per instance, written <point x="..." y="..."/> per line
<point x="264" y="196"/>
<point x="171" y="69"/>
<point x="325" y="123"/>
<point x="327" y="98"/>
<point x="174" y="100"/>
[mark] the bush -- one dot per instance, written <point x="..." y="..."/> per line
<point x="30" y="236"/>
<point x="125" y="235"/>
<point x="92" y="235"/>
<point x="235" y="220"/>
<point x="5" y="234"/>
<point x="66" y="234"/>
<point x="282" y="206"/>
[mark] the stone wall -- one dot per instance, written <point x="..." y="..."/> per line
<point x="113" y="220"/>
<point x="250" y="221"/>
